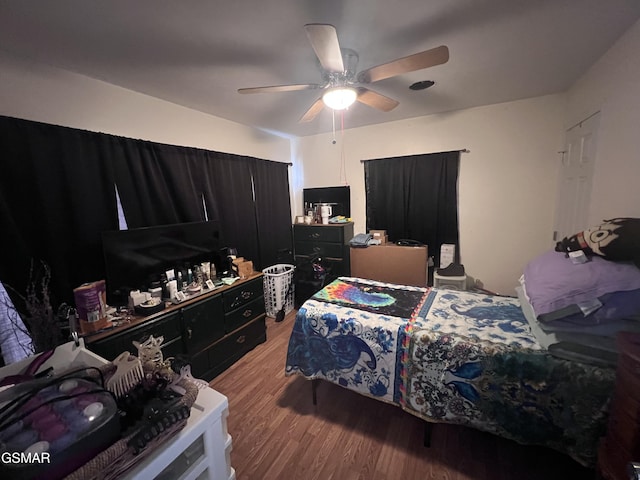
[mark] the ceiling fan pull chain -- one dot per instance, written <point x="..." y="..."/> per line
<point x="333" y="117"/>
<point x="343" y="167"/>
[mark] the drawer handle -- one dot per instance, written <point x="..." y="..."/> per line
<point x="247" y="313"/>
<point x="315" y="235"/>
<point x="241" y="339"/>
<point x="245" y="295"/>
<point x="317" y="249"/>
<point x="189" y="332"/>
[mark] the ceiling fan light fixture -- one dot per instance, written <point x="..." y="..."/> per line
<point x="339" y="98"/>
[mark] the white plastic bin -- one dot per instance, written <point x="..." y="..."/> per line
<point x="278" y="288"/>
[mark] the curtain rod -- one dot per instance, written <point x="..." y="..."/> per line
<point x="464" y="150"/>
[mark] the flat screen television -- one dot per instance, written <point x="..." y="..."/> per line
<point x="338" y="197"/>
<point x="134" y="258"/>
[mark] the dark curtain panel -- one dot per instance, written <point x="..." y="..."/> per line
<point x="231" y="196"/>
<point x="273" y="212"/>
<point x="415" y="197"/>
<point x="158" y="184"/>
<point x="56" y="196"/>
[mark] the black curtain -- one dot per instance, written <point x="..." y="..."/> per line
<point x="158" y="184"/>
<point x="231" y="192"/>
<point x="56" y="196"/>
<point x="415" y="197"/>
<point x="273" y="212"/>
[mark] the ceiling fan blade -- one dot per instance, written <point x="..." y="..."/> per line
<point x="279" y="88"/>
<point x="314" y="110"/>
<point x="376" y="100"/>
<point x="324" y="41"/>
<point x="411" y="63"/>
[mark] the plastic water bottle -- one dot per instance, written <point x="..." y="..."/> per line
<point x="213" y="274"/>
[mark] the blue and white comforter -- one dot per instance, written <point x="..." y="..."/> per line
<point x="454" y="357"/>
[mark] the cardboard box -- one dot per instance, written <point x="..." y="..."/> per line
<point x="378" y="234"/>
<point x="391" y="263"/>
<point x="245" y="267"/>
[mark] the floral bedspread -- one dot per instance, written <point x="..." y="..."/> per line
<point x="453" y="357"/>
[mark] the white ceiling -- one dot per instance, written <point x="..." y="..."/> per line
<point x="198" y="53"/>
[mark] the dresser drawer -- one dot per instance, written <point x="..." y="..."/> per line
<point x="627" y="380"/>
<point x="623" y="401"/>
<point x="242" y="294"/>
<point x="232" y="347"/>
<point x="169" y="327"/>
<point x="110" y="347"/>
<point x="630" y="364"/>
<point x="199" y="364"/>
<point x="623" y="429"/>
<point x="244" y="314"/>
<point x="629" y="347"/>
<point x="172" y="348"/>
<point x="335" y="250"/>
<point x="318" y="234"/>
<point x="203" y="323"/>
<point x="336" y="267"/>
<point x="339" y="267"/>
<point x="612" y="460"/>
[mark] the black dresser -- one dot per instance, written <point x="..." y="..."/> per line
<point x="621" y="445"/>
<point x="212" y="331"/>
<point x="328" y="242"/>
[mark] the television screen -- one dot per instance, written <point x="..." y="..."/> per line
<point x="136" y="257"/>
<point x="338" y="197"/>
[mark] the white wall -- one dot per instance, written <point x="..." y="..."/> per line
<point x="507" y="182"/>
<point x="612" y="86"/>
<point x="41" y="93"/>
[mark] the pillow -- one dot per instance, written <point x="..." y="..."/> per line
<point x="615" y="306"/>
<point x="617" y="239"/>
<point x="556" y="287"/>
<point x="601" y="336"/>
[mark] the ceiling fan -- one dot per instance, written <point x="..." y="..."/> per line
<point x="341" y="84"/>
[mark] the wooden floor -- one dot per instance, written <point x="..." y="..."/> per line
<point x="279" y="434"/>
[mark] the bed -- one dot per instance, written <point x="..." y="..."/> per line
<point x="451" y="357"/>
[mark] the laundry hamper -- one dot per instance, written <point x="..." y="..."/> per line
<point x="278" y="288"/>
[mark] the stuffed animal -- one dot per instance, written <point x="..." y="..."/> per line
<point x="617" y="239"/>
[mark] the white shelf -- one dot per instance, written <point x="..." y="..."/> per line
<point x="207" y="424"/>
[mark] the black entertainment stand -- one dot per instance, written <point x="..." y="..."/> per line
<point x="212" y="330"/>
